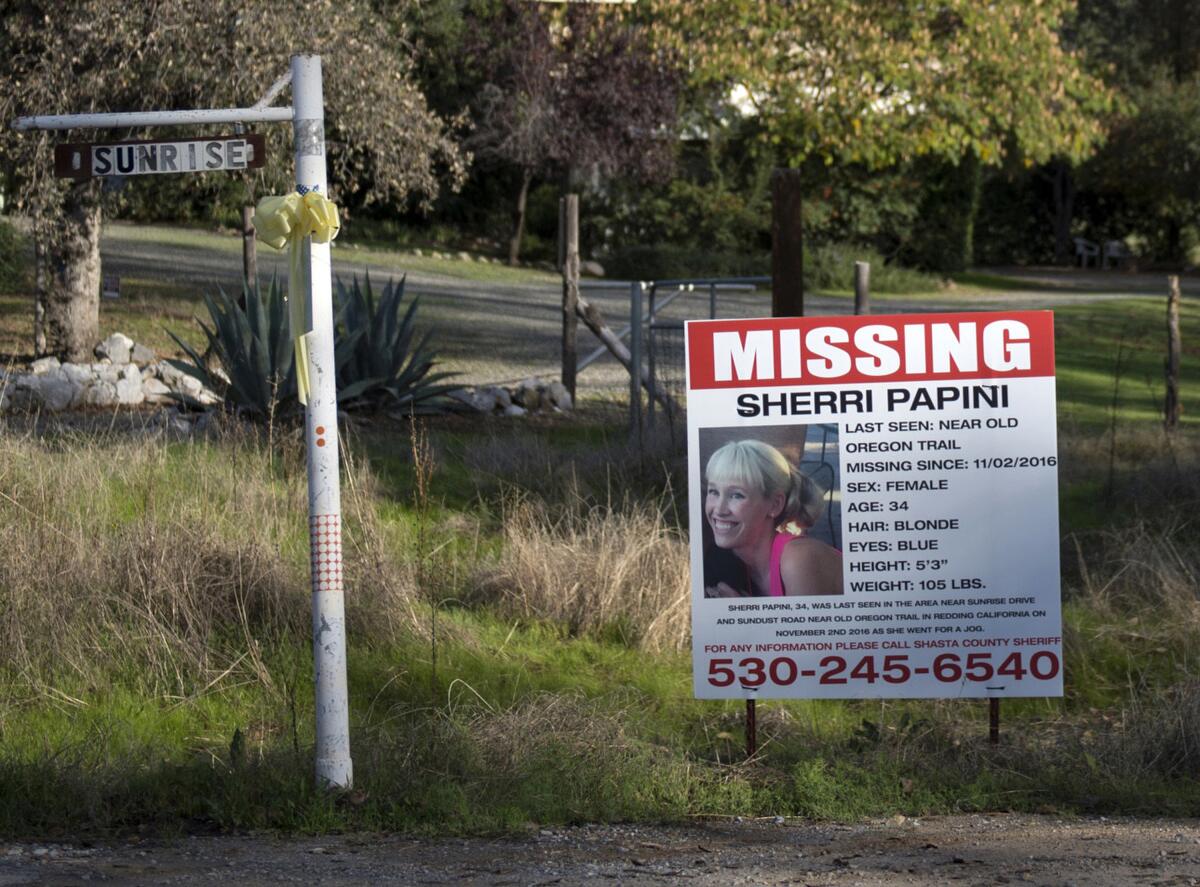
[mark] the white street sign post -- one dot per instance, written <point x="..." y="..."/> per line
<point x="307" y="116"/>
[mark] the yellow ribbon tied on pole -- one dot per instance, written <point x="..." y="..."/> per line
<point x="287" y="221"/>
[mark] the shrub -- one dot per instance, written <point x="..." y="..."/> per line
<point x="831" y="267"/>
<point x="378" y="360"/>
<point x="254" y="347"/>
<point x="13" y="265"/>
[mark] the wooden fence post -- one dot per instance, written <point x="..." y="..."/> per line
<point x="569" y="218"/>
<point x="787" y="245"/>
<point x="1172" y="407"/>
<point x="249" y="250"/>
<point x="862" y="287"/>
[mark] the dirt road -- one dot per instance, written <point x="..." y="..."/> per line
<point x="969" y="850"/>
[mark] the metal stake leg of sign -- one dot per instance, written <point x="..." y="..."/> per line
<point x="994" y="721"/>
<point x="321" y="438"/>
<point x="751" y="729"/>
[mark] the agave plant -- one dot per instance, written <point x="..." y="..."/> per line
<point x="378" y="361"/>
<point x="254" y="347"/>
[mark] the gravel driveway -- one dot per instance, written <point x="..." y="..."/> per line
<point x="968" y="850"/>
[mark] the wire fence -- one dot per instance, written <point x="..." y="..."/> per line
<point x="658" y="311"/>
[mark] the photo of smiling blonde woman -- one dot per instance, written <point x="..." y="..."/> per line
<point x="759" y="510"/>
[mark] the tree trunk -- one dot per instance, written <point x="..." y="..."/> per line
<point x="514" y="245"/>
<point x="787" y="244"/>
<point x="72" y="298"/>
<point x="1174" y="242"/>
<point x="1064" y="209"/>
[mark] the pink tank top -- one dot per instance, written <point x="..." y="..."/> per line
<point x="777" y="547"/>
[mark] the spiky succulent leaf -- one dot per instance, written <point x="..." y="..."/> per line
<point x="384" y="365"/>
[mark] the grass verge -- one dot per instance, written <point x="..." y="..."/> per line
<point x="502" y="673"/>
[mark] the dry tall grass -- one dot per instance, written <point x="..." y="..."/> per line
<point x="594" y="568"/>
<point x="177" y="559"/>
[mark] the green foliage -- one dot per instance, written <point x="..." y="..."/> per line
<point x="830" y="266"/>
<point x="943" y="240"/>
<point x="1150" y="162"/>
<point x="719" y="202"/>
<point x="378" y="361"/>
<point x="379" y="358"/>
<point x="13" y="265"/>
<point x="666" y="261"/>
<point x="852" y="204"/>
<point x="858" y="81"/>
<point x="254" y="347"/>
<point x="1015" y="223"/>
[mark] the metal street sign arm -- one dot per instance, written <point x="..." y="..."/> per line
<point x="155" y="118"/>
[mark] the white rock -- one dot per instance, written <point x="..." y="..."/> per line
<point x="464" y="256"/>
<point x="559" y="396"/>
<point x="129" y="391"/>
<point x="57" y="391"/>
<point x="503" y="398"/>
<point x="165" y="371"/>
<point x="513" y="410"/>
<point x="44" y="365"/>
<point x="591" y="268"/>
<point x="475" y="399"/>
<point x="101" y="394"/>
<point x="189" y="385"/>
<point x="116" y="348"/>
<point x="81" y="375"/>
<point x="131" y="374"/>
<point x="155" y="390"/>
<point x="528" y="394"/>
<point x="142" y="354"/>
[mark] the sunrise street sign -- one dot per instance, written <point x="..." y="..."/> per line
<point x="82" y="161"/>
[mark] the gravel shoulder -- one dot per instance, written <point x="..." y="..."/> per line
<point x="968" y="849"/>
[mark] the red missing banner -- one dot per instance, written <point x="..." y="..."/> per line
<point x="881" y="348"/>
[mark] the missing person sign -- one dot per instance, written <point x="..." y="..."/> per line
<point x="874" y="506"/>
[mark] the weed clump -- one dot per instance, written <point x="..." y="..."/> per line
<point x="620" y="570"/>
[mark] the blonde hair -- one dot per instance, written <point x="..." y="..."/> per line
<point x="762" y="467"/>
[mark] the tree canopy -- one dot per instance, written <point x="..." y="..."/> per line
<point x="880" y="82"/>
<point x="109" y="55"/>
<point x="383" y="142"/>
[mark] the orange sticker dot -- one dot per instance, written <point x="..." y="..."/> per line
<point x="320" y="429"/>
<point x="320" y="441"/>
